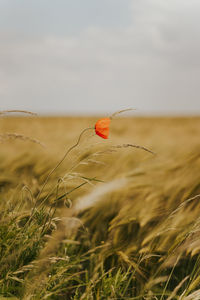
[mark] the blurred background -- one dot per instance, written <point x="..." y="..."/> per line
<point x="91" y="57"/>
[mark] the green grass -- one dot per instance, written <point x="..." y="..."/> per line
<point x="108" y="225"/>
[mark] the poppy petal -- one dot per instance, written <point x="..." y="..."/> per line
<point x="102" y="127"/>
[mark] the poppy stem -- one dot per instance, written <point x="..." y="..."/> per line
<point x="61" y="161"/>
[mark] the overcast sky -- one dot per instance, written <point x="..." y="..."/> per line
<point x="100" y="56"/>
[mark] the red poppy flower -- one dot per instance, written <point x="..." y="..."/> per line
<point x="102" y="127"/>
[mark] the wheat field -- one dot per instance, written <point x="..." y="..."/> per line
<point x="112" y="221"/>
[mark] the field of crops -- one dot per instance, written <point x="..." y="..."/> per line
<point x="111" y="221"/>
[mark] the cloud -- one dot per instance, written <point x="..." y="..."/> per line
<point x="173" y="28"/>
<point x="151" y="64"/>
<point x="62" y="17"/>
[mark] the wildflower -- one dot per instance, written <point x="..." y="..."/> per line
<point x="102" y="127"/>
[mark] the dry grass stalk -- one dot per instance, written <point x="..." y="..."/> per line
<point x="120" y="112"/>
<point x="15" y="136"/>
<point x="134" y="146"/>
<point x="174" y="293"/>
<point x="194" y="296"/>
<point x="4" y="112"/>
